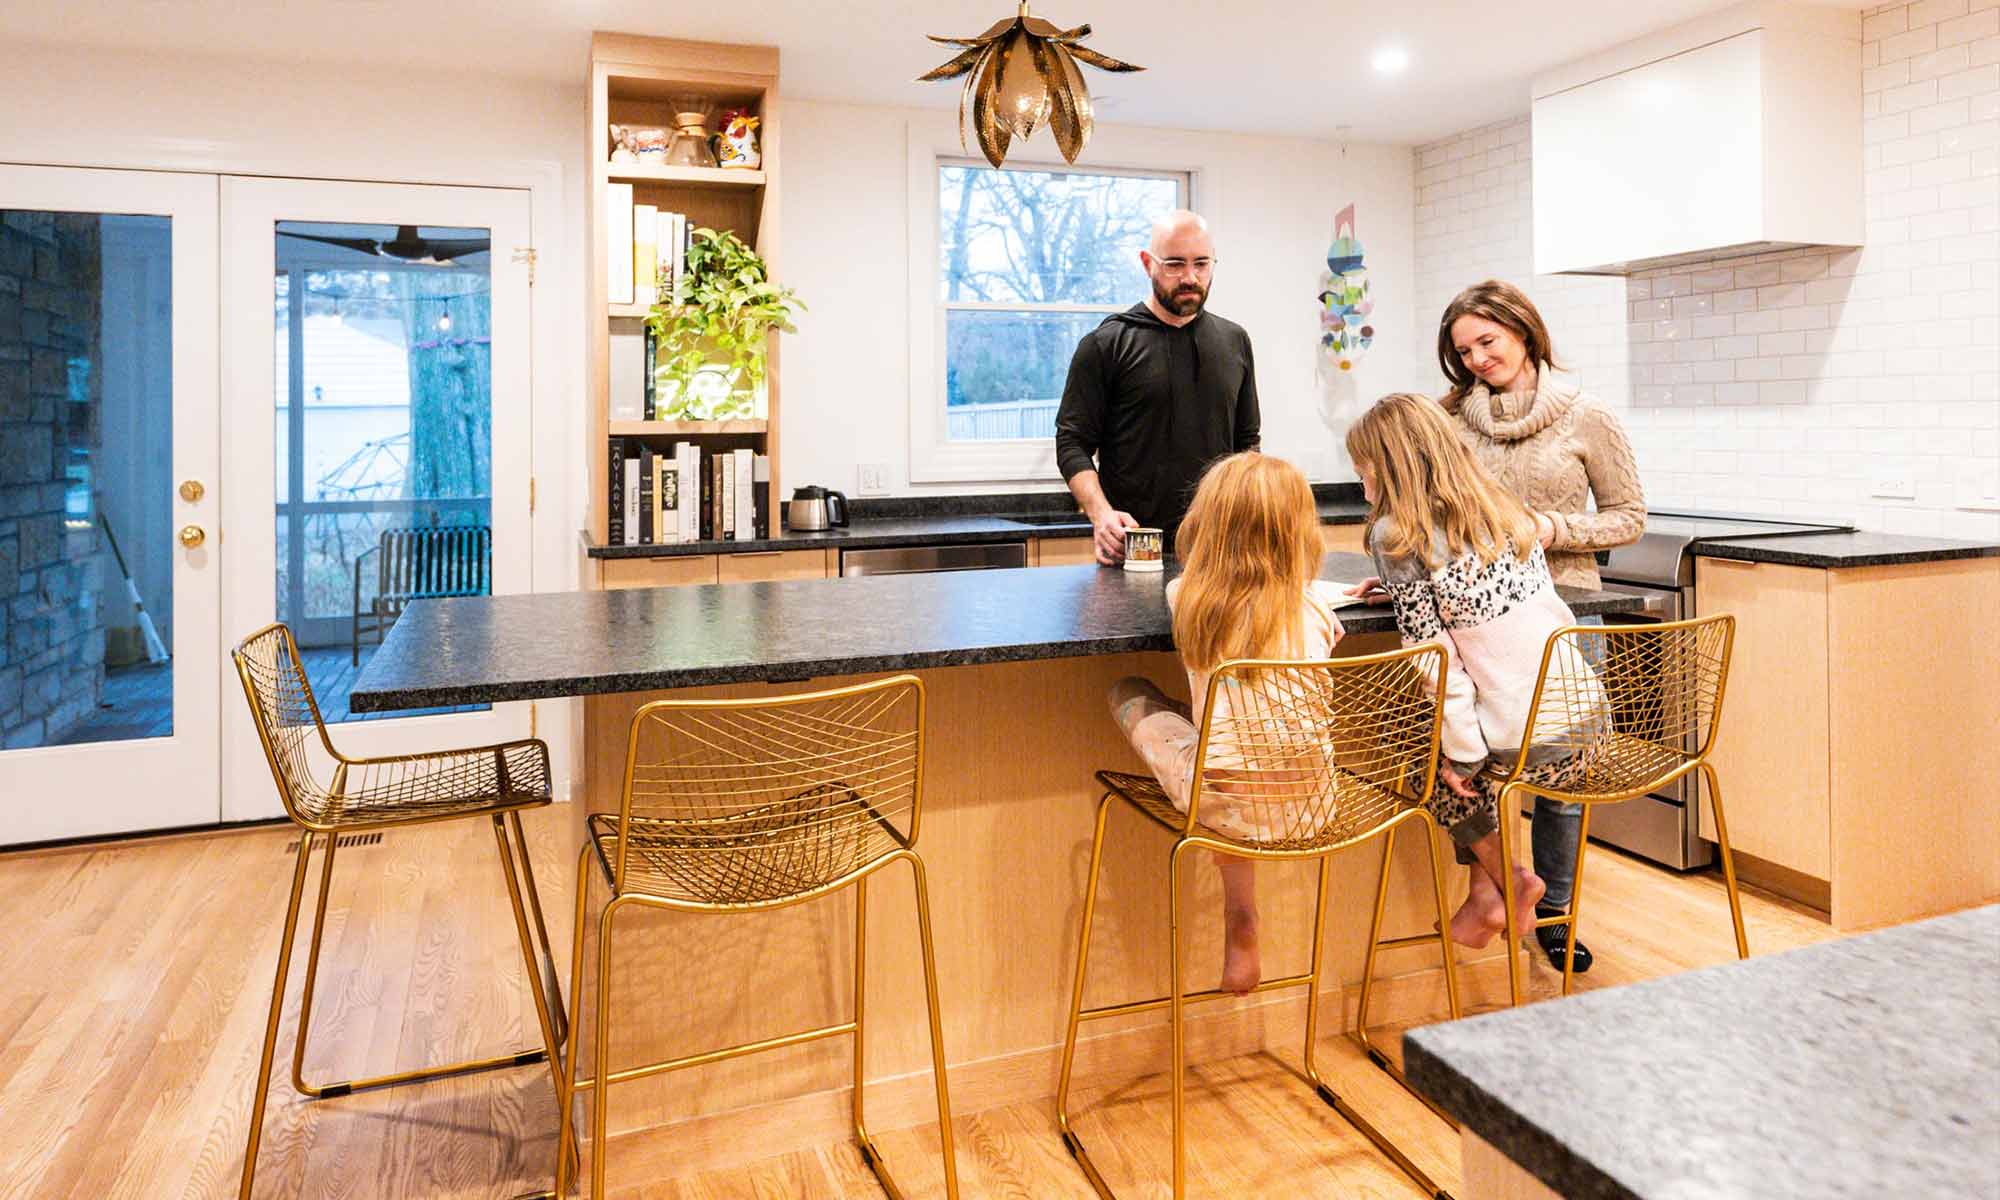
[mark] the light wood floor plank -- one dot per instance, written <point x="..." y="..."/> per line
<point x="134" y="979"/>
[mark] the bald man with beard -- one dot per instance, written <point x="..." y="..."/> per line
<point x="1155" y="394"/>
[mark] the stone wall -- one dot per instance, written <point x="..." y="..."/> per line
<point x="51" y="625"/>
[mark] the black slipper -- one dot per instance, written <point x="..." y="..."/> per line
<point x="1554" y="942"/>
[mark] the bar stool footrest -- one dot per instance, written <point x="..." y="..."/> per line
<point x="347" y="1087"/>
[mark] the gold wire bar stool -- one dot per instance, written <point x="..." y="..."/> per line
<point x="370" y="794"/>
<point x="1312" y="757"/>
<point x="1638" y="706"/>
<point x="735" y="806"/>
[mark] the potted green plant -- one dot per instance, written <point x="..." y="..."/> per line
<point x="713" y="333"/>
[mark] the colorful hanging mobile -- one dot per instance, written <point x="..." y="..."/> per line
<point x="1345" y="330"/>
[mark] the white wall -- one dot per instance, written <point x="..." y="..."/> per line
<point x="1270" y="203"/>
<point x="1796" y="383"/>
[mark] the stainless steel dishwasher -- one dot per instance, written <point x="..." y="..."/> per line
<point x="911" y="560"/>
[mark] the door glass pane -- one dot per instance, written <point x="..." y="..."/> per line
<point x="86" y="419"/>
<point x="384" y="434"/>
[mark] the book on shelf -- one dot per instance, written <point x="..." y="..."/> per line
<point x="741" y="495"/>
<point x="618" y="243"/>
<point x="649" y="367"/>
<point x="674" y="257"/>
<point x="615" y="530"/>
<point x="667" y="495"/>
<point x="631" y="501"/>
<point x="645" y="255"/>
<point x="645" y="495"/>
<point x="760" y="492"/>
<point x="728" y="465"/>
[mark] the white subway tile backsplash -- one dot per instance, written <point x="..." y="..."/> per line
<point x="1969" y="28"/>
<point x="1781" y="382"/>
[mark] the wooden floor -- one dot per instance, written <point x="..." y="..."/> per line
<point x="134" y="980"/>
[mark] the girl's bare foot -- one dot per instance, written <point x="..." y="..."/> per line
<point x="1528" y="889"/>
<point x="1241" y="968"/>
<point x="1481" y="916"/>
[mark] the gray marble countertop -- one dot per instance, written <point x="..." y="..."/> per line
<point x="487" y="649"/>
<point x="1836" y="550"/>
<point x="1865" y="1067"/>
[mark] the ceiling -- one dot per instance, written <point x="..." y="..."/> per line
<point x="1281" y="67"/>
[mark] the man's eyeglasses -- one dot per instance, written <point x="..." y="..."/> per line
<point x="1181" y="266"/>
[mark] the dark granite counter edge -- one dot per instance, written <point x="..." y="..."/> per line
<point x="1774" y="550"/>
<point x="951" y="529"/>
<point x="1359" y="620"/>
<point x="1526" y="1144"/>
<point x="797" y="671"/>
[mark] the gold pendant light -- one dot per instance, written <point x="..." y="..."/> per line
<point x="1020" y="75"/>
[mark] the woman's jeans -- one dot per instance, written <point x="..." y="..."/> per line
<point x="1556" y="831"/>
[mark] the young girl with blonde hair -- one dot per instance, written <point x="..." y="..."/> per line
<point x="1250" y="548"/>
<point x="1460" y="559"/>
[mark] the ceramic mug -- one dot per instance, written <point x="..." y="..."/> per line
<point x="1145" y="549"/>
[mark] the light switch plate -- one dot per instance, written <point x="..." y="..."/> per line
<point x="873" y="479"/>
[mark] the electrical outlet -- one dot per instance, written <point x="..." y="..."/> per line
<point x="1895" y="489"/>
<point x="873" y="479"/>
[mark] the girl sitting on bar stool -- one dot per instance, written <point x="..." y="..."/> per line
<point x="1459" y="558"/>
<point x="1250" y="547"/>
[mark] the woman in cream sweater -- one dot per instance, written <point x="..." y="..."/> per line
<point x="1565" y="456"/>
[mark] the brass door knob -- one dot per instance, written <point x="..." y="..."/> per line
<point x="192" y="536"/>
<point x="191" y="490"/>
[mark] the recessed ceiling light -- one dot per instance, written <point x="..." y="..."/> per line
<point x="1390" y="60"/>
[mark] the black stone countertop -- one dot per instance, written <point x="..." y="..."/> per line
<point x="877" y="524"/>
<point x="1835" y="550"/>
<point x="487" y="649"/>
<point x="1857" y="1068"/>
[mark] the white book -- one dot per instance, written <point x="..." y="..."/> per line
<point x="664" y="233"/>
<point x="618" y="243"/>
<point x="746" y="506"/>
<point x="691" y="507"/>
<point x="669" y="524"/>
<point x="645" y="254"/>
<point x="679" y="242"/>
<point x="628" y="376"/>
<point x="632" y="501"/>
<point x="729" y="526"/>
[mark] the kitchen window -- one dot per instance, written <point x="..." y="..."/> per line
<point x="1024" y="261"/>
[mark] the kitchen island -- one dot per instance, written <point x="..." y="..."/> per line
<point x="1016" y="664"/>
<point x="1859" y="1068"/>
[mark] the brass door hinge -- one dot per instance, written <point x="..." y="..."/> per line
<point x="525" y="254"/>
<point x="531" y="495"/>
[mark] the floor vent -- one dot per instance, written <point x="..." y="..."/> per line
<point x="346" y="841"/>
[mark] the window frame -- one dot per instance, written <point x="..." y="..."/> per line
<point x="934" y="456"/>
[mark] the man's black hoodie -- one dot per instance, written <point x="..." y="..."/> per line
<point x="1155" y="404"/>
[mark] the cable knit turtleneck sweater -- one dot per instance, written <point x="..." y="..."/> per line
<point x="1557" y="450"/>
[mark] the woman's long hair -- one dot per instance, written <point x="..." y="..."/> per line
<point x="1505" y="305"/>
<point x="1428" y="483"/>
<point x="1249" y="546"/>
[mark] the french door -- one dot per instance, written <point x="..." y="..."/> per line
<point x="376" y="440"/>
<point x="110" y="567"/>
<point x="226" y="401"/>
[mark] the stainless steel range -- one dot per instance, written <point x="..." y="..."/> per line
<point x="1659" y="569"/>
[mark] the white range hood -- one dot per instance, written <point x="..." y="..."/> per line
<point x="1738" y="133"/>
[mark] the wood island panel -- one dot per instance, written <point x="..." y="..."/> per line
<point x="1009" y="804"/>
<point x="1349" y="538"/>
<point x="1914" y="712"/>
<point x="1771" y="752"/>
<point x="1063" y="552"/>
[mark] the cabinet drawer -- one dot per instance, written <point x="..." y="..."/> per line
<point x="1064" y="552"/>
<point x="765" y="565"/>
<point x="658" y="572"/>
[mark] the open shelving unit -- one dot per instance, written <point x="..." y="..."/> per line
<point x="636" y="80"/>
